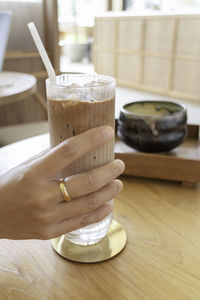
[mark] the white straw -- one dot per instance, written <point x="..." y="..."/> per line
<point x="43" y="53"/>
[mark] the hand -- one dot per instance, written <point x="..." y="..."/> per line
<point x="31" y="203"/>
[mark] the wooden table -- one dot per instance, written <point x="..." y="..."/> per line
<point x="161" y="259"/>
<point x="15" y="86"/>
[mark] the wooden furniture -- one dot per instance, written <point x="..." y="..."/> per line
<point x="169" y="165"/>
<point x="161" y="259"/>
<point x="22" y="55"/>
<point x="158" y="53"/>
<point x="14" y="133"/>
<point x="15" y="86"/>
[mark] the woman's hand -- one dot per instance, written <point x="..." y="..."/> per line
<point x="31" y="203"/>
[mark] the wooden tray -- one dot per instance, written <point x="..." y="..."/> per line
<point x="180" y="164"/>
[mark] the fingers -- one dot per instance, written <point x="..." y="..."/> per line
<point x="81" y="184"/>
<point x="53" y="219"/>
<point x="82" y="220"/>
<point x="84" y="183"/>
<point x="86" y="204"/>
<point x="40" y="154"/>
<point x="71" y="149"/>
<point x="93" y="180"/>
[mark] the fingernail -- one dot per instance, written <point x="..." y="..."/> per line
<point x="108" y="132"/>
<point x="121" y="165"/>
<point x="119" y="185"/>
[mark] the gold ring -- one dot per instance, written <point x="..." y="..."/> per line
<point x="64" y="190"/>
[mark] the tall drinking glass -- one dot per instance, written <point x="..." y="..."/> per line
<point x="77" y="103"/>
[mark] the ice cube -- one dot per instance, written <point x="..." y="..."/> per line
<point x="74" y="85"/>
<point x="93" y="83"/>
<point x="88" y="84"/>
<point x="100" y="82"/>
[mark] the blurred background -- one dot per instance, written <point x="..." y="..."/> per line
<point x="76" y="20"/>
<point x="147" y="45"/>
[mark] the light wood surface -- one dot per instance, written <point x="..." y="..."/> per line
<point x="160" y="262"/>
<point x="150" y="52"/>
<point x="14" y="86"/>
<point x="17" y="87"/>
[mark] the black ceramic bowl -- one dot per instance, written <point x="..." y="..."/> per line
<point x="152" y="126"/>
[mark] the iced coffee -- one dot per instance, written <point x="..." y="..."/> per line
<point x="78" y="103"/>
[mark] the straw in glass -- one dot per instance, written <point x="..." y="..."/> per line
<point x="43" y="53"/>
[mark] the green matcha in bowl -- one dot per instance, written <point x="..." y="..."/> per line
<point x="152" y="126"/>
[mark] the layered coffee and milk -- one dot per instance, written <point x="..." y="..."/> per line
<point x="71" y="117"/>
<point x="72" y="109"/>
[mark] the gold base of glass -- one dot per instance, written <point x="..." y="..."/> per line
<point x="112" y="244"/>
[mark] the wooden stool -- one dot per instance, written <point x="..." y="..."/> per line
<point x="15" y="86"/>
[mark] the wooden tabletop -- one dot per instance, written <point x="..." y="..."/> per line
<point x="14" y="86"/>
<point x="160" y="261"/>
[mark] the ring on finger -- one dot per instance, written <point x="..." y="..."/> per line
<point x="63" y="189"/>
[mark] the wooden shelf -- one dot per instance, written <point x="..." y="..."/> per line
<point x="21" y="54"/>
<point x="158" y="53"/>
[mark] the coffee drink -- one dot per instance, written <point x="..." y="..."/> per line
<point x="78" y="103"/>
